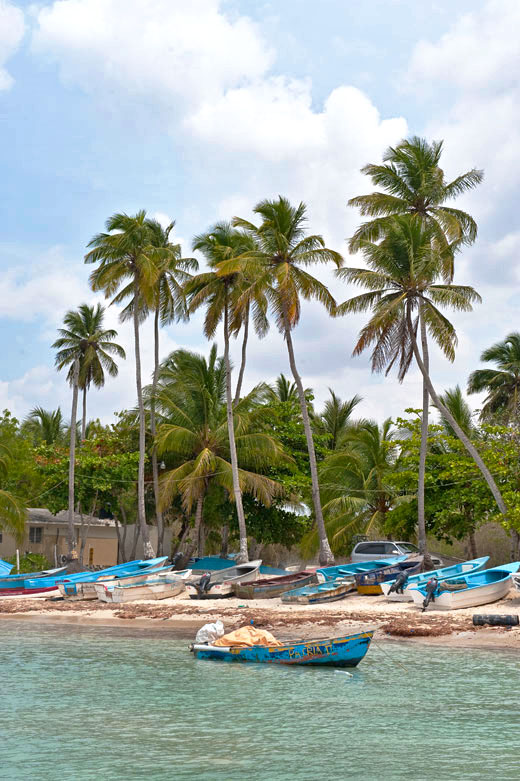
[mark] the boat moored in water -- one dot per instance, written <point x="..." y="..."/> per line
<point x="345" y="651"/>
<point x="472" y="590"/>
<point x="396" y="591"/>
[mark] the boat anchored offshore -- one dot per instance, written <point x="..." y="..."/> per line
<point x="477" y="588"/>
<point x="399" y="590"/>
<point x="345" y="651"/>
<point x="219" y="583"/>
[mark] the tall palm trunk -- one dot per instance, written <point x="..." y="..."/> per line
<point x="71" y="533"/>
<point x="155" y="467"/>
<point x="421" y="520"/>
<point x="486" y="474"/>
<point x="141" y="512"/>
<point x="84" y="415"/>
<point x="243" y="554"/>
<point x="243" y="361"/>
<point x="326" y="555"/>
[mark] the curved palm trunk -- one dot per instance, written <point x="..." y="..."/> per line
<point x="155" y="467"/>
<point x="71" y="534"/>
<point x="84" y="415"/>
<point x="243" y="361"/>
<point x="486" y="474"/>
<point x="141" y="512"/>
<point x="421" y="519"/>
<point x="243" y="554"/>
<point x="326" y="555"/>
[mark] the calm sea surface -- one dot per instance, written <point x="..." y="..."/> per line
<point x="94" y="703"/>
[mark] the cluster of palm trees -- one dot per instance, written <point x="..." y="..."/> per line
<point x="260" y="272"/>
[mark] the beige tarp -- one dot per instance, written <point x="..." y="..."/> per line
<point x="247" y="636"/>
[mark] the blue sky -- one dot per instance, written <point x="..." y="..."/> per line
<point x="196" y="111"/>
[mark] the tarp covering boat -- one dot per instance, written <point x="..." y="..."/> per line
<point x="247" y="636"/>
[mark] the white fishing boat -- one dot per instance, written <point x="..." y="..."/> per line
<point x="400" y="589"/>
<point x="217" y="584"/>
<point x="477" y="588"/>
<point x="170" y="585"/>
<point x="88" y="590"/>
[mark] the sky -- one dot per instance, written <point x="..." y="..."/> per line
<point x="197" y="110"/>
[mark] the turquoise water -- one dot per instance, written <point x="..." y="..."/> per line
<point x="95" y="703"/>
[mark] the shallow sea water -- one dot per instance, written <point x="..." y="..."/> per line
<point x="103" y="703"/>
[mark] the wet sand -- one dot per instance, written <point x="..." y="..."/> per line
<point x="400" y="621"/>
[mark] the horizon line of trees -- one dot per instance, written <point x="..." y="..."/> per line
<point x="206" y="433"/>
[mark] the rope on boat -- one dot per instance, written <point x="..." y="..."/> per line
<point x="389" y="656"/>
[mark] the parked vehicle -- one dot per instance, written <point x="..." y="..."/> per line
<point x="376" y="549"/>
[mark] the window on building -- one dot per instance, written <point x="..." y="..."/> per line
<point x="91" y="557"/>
<point x="0" y="538"/>
<point x="35" y="534"/>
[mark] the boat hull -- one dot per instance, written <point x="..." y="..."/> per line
<point x="321" y="593"/>
<point x="222" y="581"/>
<point x="445" y="572"/>
<point x="31" y="593"/>
<point x="139" y="592"/>
<point x="369" y="583"/>
<point x="272" y="587"/>
<point x="72" y="586"/>
<point x="338" y="652"/>
<point x="478" y="588"/>
<point x="354" y="568"/>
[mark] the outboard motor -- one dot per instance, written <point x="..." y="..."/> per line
<point x="175" y="559"/>
<point x="399" y="583"/>
<point x="203" y="585"/>
<point x="431" y="588"/>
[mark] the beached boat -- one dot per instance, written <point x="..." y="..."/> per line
<point x="516" y="582"/>
<point x="31" y="583"/>
<point x="88" y="590"/>
<point x="330" y="591"/>
<point x="337" y="652"/>
<point x="5" y="567"/>
<point x="269" y="588"/>
<point x="477" y="588"/>
<point x="350" y="568"/>
<point x="71" y="587"/>
<point x="169" y="585"/>
<point x="370" y="582"/>
<point x="212" y="563"/>
<point x="396" y="591"/>
<point x="219" y="583"/>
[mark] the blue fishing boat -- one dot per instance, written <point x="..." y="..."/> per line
<point x="330" y="591"/>
<point x="16" y="585"/>
<point x="399" y="589"/>
<point x="477" y="588"/>
<point x="215" y="563"/>
<point x="5" y="567"/>
<point x="338" y="652"/>
<point x="370" y="582"/>
<point x="341" y="570"/>
<point x="71" y="586"/>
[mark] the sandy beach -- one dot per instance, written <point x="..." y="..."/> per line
<point x="399" y="621"/>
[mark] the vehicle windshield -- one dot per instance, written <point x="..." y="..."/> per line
<point x="408" y="547"/>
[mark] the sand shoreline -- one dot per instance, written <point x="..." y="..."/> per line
<point x="397" y="621"/>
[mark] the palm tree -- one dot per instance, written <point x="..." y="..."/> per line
<point x="283" y="390"/>
<point x="404" y="296"/>
<point x="355" y="490"/>
<point x="503" y="383"/>
<point x="168" y="304"/>
<point x="455" y="402"/>
<point x="334" y="421"/>
<point x="194" y="435"/>
<point x="414" y="183"/>
<point x="85" y="338"/>
<point x="44" y="425"/>
<point x="12" y="509"/>
<point x="218" y="292"/>
<point x="125" y="254"/>
<point x="277" y="269"/>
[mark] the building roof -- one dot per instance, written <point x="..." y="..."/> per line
<point x="43" y="516"/>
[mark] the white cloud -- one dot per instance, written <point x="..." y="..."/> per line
<point x="12" y="28"/>
<point x="162" y="50"/>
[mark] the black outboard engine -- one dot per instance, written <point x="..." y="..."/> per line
<point x="175" y="559"/>
<point x="399" y="583"/>
<point x="431" y="588"/>
<point x="203" y="585"/>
